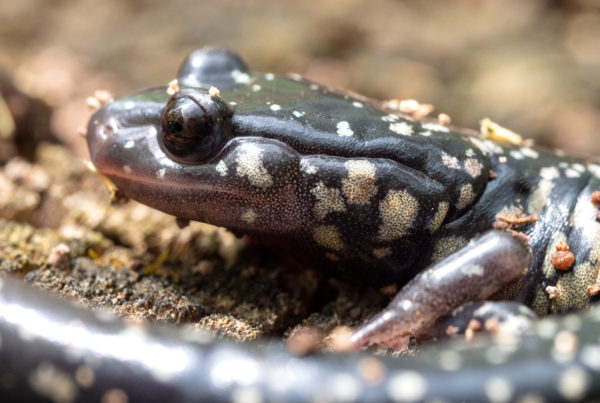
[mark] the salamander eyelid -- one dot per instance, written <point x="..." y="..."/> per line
<point x="200" y="130"/>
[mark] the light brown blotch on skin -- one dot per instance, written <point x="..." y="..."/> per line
<point x="250" y="164"/>
<point x="466" y="197"/>
<point x="328" y="200"/>
<point x="329" y="237"/>
<point x="398" y="211"/>
<point x="359" y="187"/>
<point x="381" y="253"/>
<point x="439" y="217"/>
<point x="391" y="289"/>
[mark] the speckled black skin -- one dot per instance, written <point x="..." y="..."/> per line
<point x="374" y="197"/>
<point x="46" y="342"/>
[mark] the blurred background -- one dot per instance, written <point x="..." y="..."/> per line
<point x="532" y="66"/>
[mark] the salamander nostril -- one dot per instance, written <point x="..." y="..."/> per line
<point x="106" y="130"/>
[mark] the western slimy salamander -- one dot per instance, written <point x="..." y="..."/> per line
<point x="340" y="182"/>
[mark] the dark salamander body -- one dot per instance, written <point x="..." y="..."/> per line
<point x="340" y="182"/>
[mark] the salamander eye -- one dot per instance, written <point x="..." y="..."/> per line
<point x="194" y="126"/>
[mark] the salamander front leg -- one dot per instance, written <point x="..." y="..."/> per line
<point x="473" y="273"/>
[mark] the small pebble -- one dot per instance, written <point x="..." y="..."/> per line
<point x="59" y="256"/>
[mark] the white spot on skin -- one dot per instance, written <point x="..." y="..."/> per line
<point x="160" y="174"/>
<point x="549" y="173"/>
<point x="269" y="76"/>
<point x="529" y="152"/>
<point x="540" y="197"/>
<point x="435" y="127"/>
<point x="398" y="211"/>
<point x="486" y="146"/>
<point x="313" y="87"/>
<point x="473" y="270"/>
<point x="49" y="381"/>
<point x="390" y="118"/>
<point x="127" y="169"/>
<point x="308" y="168"/>
<point x="502" y="159"/>
<point x="249" y="216"/>
<point x="250" y="164"/>
<point x="425" y="133"/>
<point x="594" y="170"/>
<point x="516" y="155"/>
<point x="246" y="394"/>
<point x="221" y="168"/>
<point x="294" y="76"/>
<point x="233" y="103"/>
<point x="546" y="328"/>
<point x="343" y="129"/>
<point x="129" y="144"/>
<point x="590" y="356"/>
<point x="329" y="237"/>
<point x="328" y="200"/>
<point x="573" y="383"/>
<point x="531" y="398"/>
<point x="357" y="104"/>
<point x="407" y="386"/>
<point x="450" y="161"/>
<point x="275" y="107"/>
<point x="239" y="77"/>
<point x="129" y="105"/>
<point x="344" y="388"/>
<point x="298" y="114"/>
<point x="470" y="152"/>
<point x="256" y="88"/>
<point x="578" y="167"/>
<point x="498" y="390"/>
<point x="402" y="128"/>
<point x="495" y="355"/>
<point x="473" y="167"/>
<point x="359" y="187"/>
<point x="450" y="360"/>
<point x="571" y="173"/>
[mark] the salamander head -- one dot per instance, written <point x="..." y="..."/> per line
<point x="179" y="154"/>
